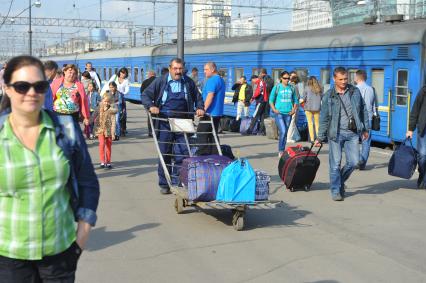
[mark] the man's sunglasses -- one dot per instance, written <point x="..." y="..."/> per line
<point x="285" y="78"/>
<point x="23" y="87"/>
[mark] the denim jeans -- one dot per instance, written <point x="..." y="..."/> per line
<point x="421" y="149"/>
<point x="338" y="176"/>
<point x="283" y="123"/>
<point x="365" y="150"/>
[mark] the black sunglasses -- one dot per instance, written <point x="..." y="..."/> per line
<point x="285" y="78"/>
<point x="23" y="87"/>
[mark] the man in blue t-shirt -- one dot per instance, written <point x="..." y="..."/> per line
<point x="213" y="96"/>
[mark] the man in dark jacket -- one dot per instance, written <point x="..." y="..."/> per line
<point x="264" y="86"/>
<point x="343" y="119"/>
<point x="418" y="120"/>
<point x="169" y="96"/>
<point x="242" y="95"/>
<point x="145" y="84"/>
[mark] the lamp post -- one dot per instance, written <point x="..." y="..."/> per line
<point x="30" y="32"/>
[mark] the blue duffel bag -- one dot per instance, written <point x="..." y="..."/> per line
<point x="403" y="161"/>
<point x="237" y="183"/>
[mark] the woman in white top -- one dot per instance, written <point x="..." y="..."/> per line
<point x="122" y="81"/>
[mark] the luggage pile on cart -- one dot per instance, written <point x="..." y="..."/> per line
<point x="215" y="181"/>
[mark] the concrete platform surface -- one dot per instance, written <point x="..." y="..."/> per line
<point x="377" y="234"/>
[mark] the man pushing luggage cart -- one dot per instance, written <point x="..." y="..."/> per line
<point x="173" y="95"/>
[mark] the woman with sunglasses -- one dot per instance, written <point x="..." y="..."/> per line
<point x="69" y="97"/>
<point x="47" y="181"/>
<point x="283" y="100"/>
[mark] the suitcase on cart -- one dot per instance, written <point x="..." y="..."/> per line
<point x="201" y="176"/>
<point x="271" y="128"/>
<point x="298" y="166"/>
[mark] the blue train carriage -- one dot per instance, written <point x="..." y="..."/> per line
<point x="138" y="62"/>
<point x="393" y="56"/>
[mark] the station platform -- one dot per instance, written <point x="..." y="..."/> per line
<point x="377" y="234"/>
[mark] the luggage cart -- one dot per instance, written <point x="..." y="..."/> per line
<point x="187" y="128"/>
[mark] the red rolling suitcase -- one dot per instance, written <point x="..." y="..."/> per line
<point x="298" y="166"/>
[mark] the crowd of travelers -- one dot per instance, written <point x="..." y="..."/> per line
<point x="42" y="106"/>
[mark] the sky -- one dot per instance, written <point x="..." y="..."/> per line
<point x="139" y="13"/>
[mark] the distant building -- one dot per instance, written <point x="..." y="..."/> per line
<point x="77" y="45"/>
<point x="311" y="14"/>
<point x="245" y="27"/>
<point x="348" y="11"/>
<point x="211" y="20"/>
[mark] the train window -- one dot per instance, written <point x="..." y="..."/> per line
<point x="378" y="82"/>
<point x="325" y="79"/>
<point x="351" y="76"/>
<point x="129" y="71"/>
<point x="238" y="73"/>
<point x="255" y="71"/>
<point x="276" y="75"/>
<point x="109" y="73"/>
<point x="142" y="75"/>
<point x="402" y="88"/>
<point x="136" y="75"/>
<point x="104" y="74"/>
<point x="224" y="72"/>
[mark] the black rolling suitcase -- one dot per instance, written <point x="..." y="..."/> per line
<point x="298" y="166"/>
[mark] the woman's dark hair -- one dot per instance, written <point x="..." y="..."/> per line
<point x="124" y="71"/>
<point x="113" y="84"/>
<point x="284" y="73"/>
<point x="13" y="65"/>
<point x="86" y="75"/>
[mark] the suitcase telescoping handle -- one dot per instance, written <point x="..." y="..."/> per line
<point x="310" y="150"/>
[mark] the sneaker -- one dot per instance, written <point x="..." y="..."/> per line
<point x="108" y="166"/>
<point x="165" y="191"/>
<point x="102" y="165"/>
<point x="337" y="197"/>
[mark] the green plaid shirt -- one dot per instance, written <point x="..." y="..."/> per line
<point x="36" y="218"/>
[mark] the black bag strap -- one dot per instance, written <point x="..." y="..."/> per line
<point x="343" y="104"/>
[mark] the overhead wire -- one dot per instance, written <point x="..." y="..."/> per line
<point x="8" y="12"/>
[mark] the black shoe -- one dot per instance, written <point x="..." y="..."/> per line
<point x="117" y="138"/>
<point x="420" y="185"/>
<point x="361" y="166"/>
<point x="108" y="166"/>
<point x="102" y="165"/>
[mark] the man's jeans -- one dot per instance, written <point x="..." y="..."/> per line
<point x="365" y="150"/>
<point x="283" y="123"/>
<point x="421" y="148"/>
<point x="338" y="176"/>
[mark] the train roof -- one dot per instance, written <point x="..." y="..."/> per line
<point x="343" y="36"/>
<point x="408" y="32"/>
<point x="104" y="54"/>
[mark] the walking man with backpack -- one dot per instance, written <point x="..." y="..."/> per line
<point x="343" y="118"/>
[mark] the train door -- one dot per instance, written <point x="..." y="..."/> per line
<point x="400" y="100"/>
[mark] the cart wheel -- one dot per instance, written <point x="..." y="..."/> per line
<point x="179" y="204"/>
<point x="307" y="188"/>
<point x="238" y="220"/>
